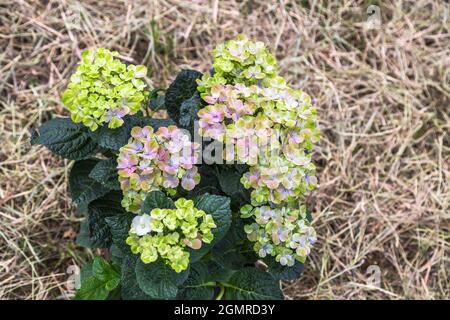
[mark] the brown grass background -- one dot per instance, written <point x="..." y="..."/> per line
<point x="383" y="102"/>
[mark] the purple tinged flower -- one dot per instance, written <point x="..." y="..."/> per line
<point x="133" y="147"/>
<point x="150" y="150"/>
<point x="311" y="181"/>
<point x="170" y="168"/>
<point x="212" y="114"/>
<point x="265" y="249"/>
<point x="127" y="164"/>
<point x="312" y="239"/>
<point x="210" y="99"/>
<point x="170" y="181"/>
<point x="117" y="113"/>
<point x="236" y="50"/>
<point x="190" y="178"/>
<point x="143" y="133"/>
<point x="291" y="178"/>
<point x="154" y="160"/>
<point x="265" y="214"/>
<point x="271" y="179"/>
<point x="294" y="138"/>
<point x="146" y="181"/>
<point x="280" y="234"/>
<point x="177" y="143"/>
<point x="287" y="260"/>
<point x="295" y="240"/>
<point x="145" y="166"/>
<point x="215" y="131"/>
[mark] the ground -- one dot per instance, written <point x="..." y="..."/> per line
<point x="379" y="77"/>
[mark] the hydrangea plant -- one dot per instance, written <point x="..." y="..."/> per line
<point x="174" y="226"/>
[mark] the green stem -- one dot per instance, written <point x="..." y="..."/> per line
<point x="222" y="291"/>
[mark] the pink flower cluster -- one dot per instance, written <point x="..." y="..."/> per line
<point x="154" y="160"/>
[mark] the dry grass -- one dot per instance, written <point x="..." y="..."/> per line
<point x="383" y="97"/>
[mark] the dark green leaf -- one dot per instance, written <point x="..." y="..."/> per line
<point x="283" y="272"/>
<point x="83" y="237"/>
<point x="188" y="111"/>
<point x="128" y="282"/>
<point x="98" y="210"/>
<point x="92" y="289"/>
<point x="219" y="208"/>
<point x="86" y="271"/>
<point x="181" y="89"/>
<point x="65" y="138"/>
<point x="156" y="100"/>
<point x="218" y="273"/>
<point x="114" y="139"/>
<point x="197" y="285"/>
<point x="116" y="254"/>
<point x="234" y="251"/>
<point x="229" y="180"/>
<point x="83" y="189"/>
<point x="108" y="274"/>
<point x="159" y="280"/>
<point x="105" y="172"/>
<point x="252" y="284"/>
<point x="229" y="177"/>
<point x="157" y="199"/>
<point x="99" y="279"/>
<point x="116" y="294"/>
<point x="119" y="226"/>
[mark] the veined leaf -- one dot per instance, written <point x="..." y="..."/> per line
<point x="197" y="286"/>
<point x="105" y="172"/>
<point x="252" y="284"/>
<point x="158" y="279"/>
<point x="65" y="138"/>
<point x="157" y="199"/>
<point x="129" y="285"/>
<point x="83" y="189"/>
<point x="181" y="89"/>
<point x="100" y="279"/>
<point x="119" y="226"/>
<point x="98" y="211"/>
<point x="114" y="139"/>
<point x="219" y="208"/>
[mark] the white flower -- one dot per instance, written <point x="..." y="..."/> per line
<point x="141" y="225"/>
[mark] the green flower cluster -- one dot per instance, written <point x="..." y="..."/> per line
<point x="239" y="61"/>
<point x="104" y="90"/>
<point x="282" y="233"/>
<point x="165" y="233"/>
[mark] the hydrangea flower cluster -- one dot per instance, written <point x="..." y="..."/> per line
<point x="104" y="90"/>
<point x="282" y="233"/>
<point x="156" y="160"/>
<point x="262" y="121"/>
<point x="166" y="233"/>
<point x="270" y="126"/>
<point x="239" y="61"/>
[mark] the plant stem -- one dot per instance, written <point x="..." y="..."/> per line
<point x="222" y="291"/>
